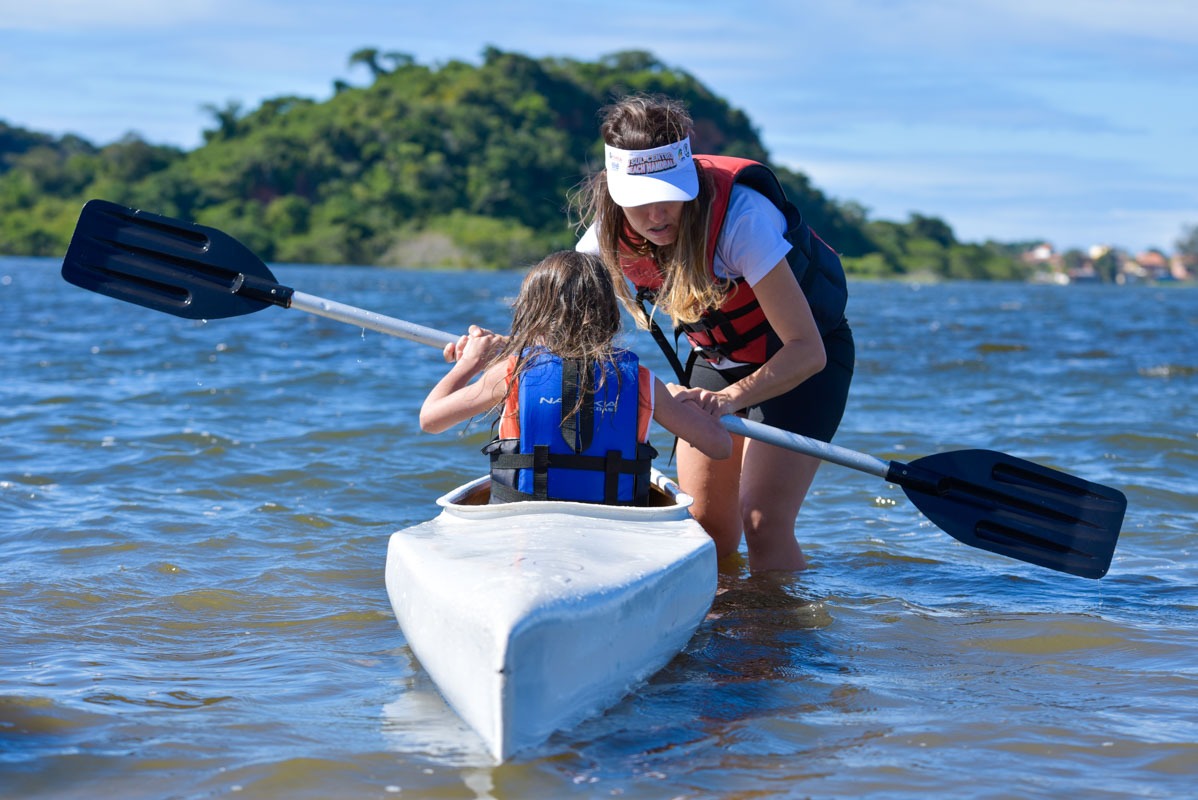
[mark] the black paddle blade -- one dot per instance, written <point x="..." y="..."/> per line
<point x="1017" y="508"/>
<point x="168" y="265"/>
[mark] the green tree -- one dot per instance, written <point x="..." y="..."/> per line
<point x="937" y="230"/>
<point x="1187" y="244"/>
<point x="923" y="256"/>
<point x="369" y="58"/>
<point x="447" y="165"/>
<point x="226" y="118"/>
<point x="1107" y="265"/>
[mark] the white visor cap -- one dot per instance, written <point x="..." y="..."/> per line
<point x="659" y="175"/>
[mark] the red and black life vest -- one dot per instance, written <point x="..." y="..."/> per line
<point x="738" y="329"/>
<point x="548" y="450"/>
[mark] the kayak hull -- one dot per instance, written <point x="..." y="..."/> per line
<point x="531" y="617"/>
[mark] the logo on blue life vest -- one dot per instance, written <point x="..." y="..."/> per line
<point x="601" y="406"/>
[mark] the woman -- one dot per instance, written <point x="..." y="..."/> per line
<point x="575" y="408"/>
<point x="713" y="243"/>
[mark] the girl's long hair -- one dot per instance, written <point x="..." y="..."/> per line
<point x="567" y="306"/>
<point x="640" y="122"/>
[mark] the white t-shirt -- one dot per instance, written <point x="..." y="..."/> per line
<point x="751" y="243"/>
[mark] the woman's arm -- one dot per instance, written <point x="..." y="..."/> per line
<point x="801" y="355"/>
<point x="688" y="420"/>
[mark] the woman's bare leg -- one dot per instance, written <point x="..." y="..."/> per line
<point x="715" y="485"/>
<point x="773" y="484"/>
<point x="758" y="491"/>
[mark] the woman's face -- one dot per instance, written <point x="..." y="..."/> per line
<point x="657" y="222"/>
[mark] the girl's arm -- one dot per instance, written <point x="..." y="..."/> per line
<point x="688" y="420"/>
<point x="455" y="399"/>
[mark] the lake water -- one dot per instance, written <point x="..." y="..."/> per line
<point x="195" y="520"/>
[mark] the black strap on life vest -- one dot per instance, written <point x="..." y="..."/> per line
<point x="578" y="427"/>
<point x="540" y="461"/>
<point x="671" y="353"/>
<point x="716" y="319"/>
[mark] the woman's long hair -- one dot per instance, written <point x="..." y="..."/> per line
<point x="641" y="122"/>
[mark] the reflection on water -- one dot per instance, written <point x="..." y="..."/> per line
<point x="419" y="722"/>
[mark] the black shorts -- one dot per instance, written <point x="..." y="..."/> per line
<point x="814" y="408"/>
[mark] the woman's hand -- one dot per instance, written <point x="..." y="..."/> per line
<point x="677" y="410"/>
<point x="715" y="403"/>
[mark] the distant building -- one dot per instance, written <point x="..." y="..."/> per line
<point x="1047" y="262"/>
<point x="1101" y="260"/>
<point x="1040" y="254"/>
<point x="1153" y="265"/>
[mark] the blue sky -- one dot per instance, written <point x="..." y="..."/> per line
<point x="1073" y="121"/>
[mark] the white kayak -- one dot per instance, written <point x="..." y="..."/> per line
<point x="530" y="617"/>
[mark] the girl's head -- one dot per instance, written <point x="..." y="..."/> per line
<point x="652" y="200"/>
<point x="568" y="305"/>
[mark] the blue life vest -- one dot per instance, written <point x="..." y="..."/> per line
<point x="590" y="454"/>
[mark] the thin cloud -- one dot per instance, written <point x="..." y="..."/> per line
<point x="66" y="16"/>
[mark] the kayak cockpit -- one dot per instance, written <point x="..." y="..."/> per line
<point x="664" y="497"/>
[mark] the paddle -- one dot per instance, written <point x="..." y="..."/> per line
<point x="982" y="498"/>
<point x="990" y="500"/>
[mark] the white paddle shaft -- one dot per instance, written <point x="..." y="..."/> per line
<point x="738" y="425"/>
<point x="369" y="319"/>
<point x="803" y="444"/>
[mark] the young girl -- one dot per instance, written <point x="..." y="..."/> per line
<point x="575" y="410"/>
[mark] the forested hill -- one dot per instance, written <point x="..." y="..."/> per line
<point x="448" y="165"/>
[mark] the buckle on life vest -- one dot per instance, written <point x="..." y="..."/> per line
<point x="712" y="354"/>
